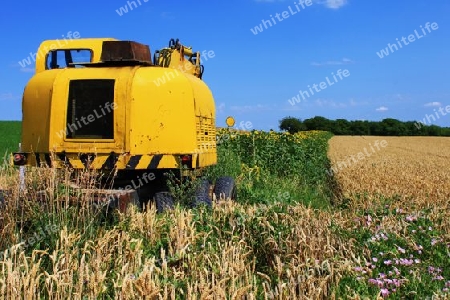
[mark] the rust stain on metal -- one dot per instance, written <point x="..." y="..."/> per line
<point x="125" y="51"/>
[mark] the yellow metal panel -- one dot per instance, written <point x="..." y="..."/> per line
<point x="168" y="162"/>
<point x="59" y="142"/>
<point x="76" y="163"/>
<point x="172" y="113"/>
<point x="162" y="113"/>
<point x="36" y="112"/>
<point x="204" y="102"/>
<point x="207" y="159"/>
<point x="99" y="161"/>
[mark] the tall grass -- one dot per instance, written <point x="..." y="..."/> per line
<point x="275" y="242"/>
<point x="272" y="167"/>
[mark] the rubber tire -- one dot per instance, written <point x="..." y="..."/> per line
<point x="225" y="187"/>
<point x="2" y="198"/>
<point x="136" y="202"/>
<point x="202" y="194"/>
<point x="164" y="201"/>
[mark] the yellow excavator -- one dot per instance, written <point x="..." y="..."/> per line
<point x="108" y="105"/>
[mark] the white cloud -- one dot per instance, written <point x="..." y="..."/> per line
<point x="27" y="70"/>
<point x="400" y="97"/>
<point x="433" y="104"/>
<point x="251" y="108"/>
<point x="8" y="96"/>
<point x="382" y="108"/>
<point x="330" y="103"/>
<point x="221" y="108"/>
<point x="334" y="4"/>
<point x="344" y="61"/>
<point x="289" y="107"/>
<point x="353" y="102"/>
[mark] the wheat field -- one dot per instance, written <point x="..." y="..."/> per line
<point x="395" y="192"/>
<point x="406" y="167"/>
<point x="387" y="235"/>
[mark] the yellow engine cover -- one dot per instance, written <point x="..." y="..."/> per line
<point x="123" y="117"/>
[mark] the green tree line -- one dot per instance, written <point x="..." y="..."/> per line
<point x="386" y="127"/>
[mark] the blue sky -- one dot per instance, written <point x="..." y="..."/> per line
<point x="253" y="76"/>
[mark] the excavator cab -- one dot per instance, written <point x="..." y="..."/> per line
<point x="105" y="105"/>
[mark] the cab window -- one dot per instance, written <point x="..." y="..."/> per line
<point x="67" y="58"/>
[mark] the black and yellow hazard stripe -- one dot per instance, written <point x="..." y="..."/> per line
<point x="106" y="161"/>
<point x="140" y="162"/>
<point x="43" y="159"/>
